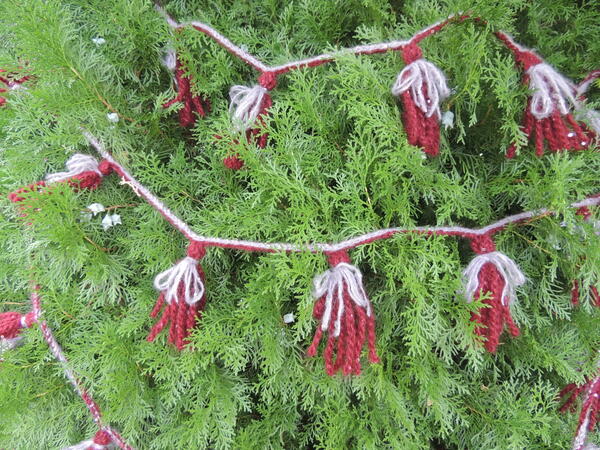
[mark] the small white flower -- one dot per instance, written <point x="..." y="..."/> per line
<point x="110" y="221"/>
<point x="288" y="318"/>
<point x="448" y="119"/>
<point x="99" y="41"/>
<point x="96" y="208"/>
<point x="86" y="216"/>
<point x="112" y="117"/>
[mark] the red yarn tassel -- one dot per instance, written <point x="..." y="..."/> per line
<point x="421" y="87"/>
<point x="494" y="275"/>
<point x="101" y="441"/>
<point x="589" y="410"/>
<point x="182" y="289"/>
<point x="11" y="323"/>
<point x="584" y="212"/>
<point x="249" y="109"/>
<point x="547" y="119"/>
<point x="348" y="319"/>
<point x="191" y="103"/>
<point x="10" y="83"/>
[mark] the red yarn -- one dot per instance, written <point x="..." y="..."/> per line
<point x="8" y="82"/>
<point x="268" y="80"/>
<point x="495" y="314"/>
<point x="421" y="131"/>
<point x="191" y="103"/>
<point x="11" y="323"/>
<point x="356" y="329"/>
<point x="101" y="438"/>
<point x="181" y="316"/>
<point x="233" y="162"/>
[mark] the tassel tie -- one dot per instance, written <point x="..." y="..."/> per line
<point x="11" y="324"/>
<point x="345" y="313"/>
<point x="421" y="87"/>
<point x="101" y="441"/>
<point x="585" y="212"/>
<point x="191" y="103"/>
<point x="548" y="115"/>
<point x="248" y="108"/>
<point x="589" y="410"/>
<point x="182" y="288"/>
<point x="495" y="273"/>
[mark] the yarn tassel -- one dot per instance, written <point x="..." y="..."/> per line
<point x="421" y="87"/>
<point x="589" y="410"/>
<point x="83" y="172"/>
<point x="10" y="84"/>
<point x="248" y="109"/>
<point x="345" y="313"/>
<point x="191" y="103"/>
<point x="584" y="212"/>
<point x="101" y="441"/>
<point x="548" y="118"/>
<point x="493" y="274"/>
<point x="182" y="289"/>
<point x="11" y="324"/>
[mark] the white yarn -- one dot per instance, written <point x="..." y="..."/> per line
<point x="169" y="59"/>
<point x="590" y="116"/>
<point x="245" y="105"/>
<point x="9" y="343"/>
<point x="510" y="272"/>
<point x="550" y="90"/>
<point x="186" y="272"/>
<point x="76" y="164"/>
<point x="332" y="283"/>
<point x="417" y="74"/>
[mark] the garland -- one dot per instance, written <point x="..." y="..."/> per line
<point x="421" y="86"/>
<point x="555" y="118"/>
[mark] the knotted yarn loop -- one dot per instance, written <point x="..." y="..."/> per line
<point x="510" y="272"/>
<point x="550" y="90"/>
<point x="427" y="85"/>
<point x="170" y="281"/>
<point x="246" y="104"/>
<point x="77" y="164"/>
<point x="330" y="285"/>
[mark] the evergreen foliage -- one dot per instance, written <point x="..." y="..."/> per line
<point x="337" y="165"/>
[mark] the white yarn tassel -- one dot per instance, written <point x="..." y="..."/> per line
<point x="331" y="284"/>
<point x="550" y="90"/>
<point x="186" y="272"/>
<point x="77" y="164"/>
<point x="417" y="74"/>
<point x="510" y="272"/>
<point x="245" y="105"/>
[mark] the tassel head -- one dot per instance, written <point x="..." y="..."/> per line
<point x="344" y="312"/>
<point x="11" y="323"/>
<point x="83" y="172"/>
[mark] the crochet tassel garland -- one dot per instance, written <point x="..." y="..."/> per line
<point x="345" y="313"/>
<point x="248" y="108"/>
<point x="421" y="87"/>
<point x="182" y="288"/>
<point x="101" y="441"/>
<point x="548" y="116"/>
<point x="589" y="410"/>
<point x="191" y="103"/>
<point x="496" y="276"/>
